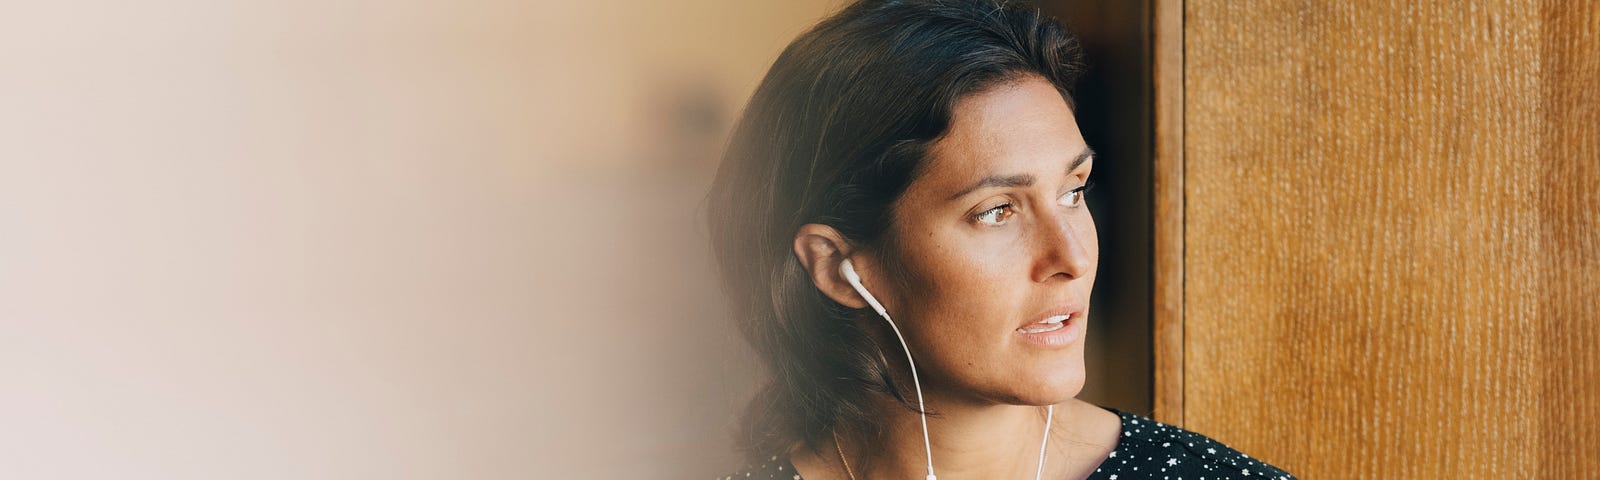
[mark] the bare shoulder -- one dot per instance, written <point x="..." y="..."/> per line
<point x="1094" y="424"/>
<point x="1087" y="434"/>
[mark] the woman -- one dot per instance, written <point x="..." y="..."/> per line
<point x="900" y="225"/>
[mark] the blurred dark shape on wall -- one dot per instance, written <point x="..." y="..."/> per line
<point x="1114" y="114"/>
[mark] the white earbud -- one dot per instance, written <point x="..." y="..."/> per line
<point x="848" y="271"/>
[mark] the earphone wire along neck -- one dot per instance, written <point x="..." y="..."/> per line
<point x="850" y="275"/>
<point x="849" y="272"/>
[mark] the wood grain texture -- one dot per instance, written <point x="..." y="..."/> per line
<point x="1167" y="28"/>
<point x="1392" y="235"/>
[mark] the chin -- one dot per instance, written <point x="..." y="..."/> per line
<point x="1050" y="386"/>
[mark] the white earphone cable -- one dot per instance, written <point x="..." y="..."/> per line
<point x="1049" y="415"/>
<point x="850" y="275"/>
<point x="922" y="409"/>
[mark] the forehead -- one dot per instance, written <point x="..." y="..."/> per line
<point x="1019" y="127"/>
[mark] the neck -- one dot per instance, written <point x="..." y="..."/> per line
<point x="969" y="440"/>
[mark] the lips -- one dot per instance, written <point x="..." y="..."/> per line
<point x="1049" y="324"/>
<point x="1054" y="319"/>
<point x="1058" y="328"/>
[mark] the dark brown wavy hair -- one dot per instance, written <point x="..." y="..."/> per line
<point x="833" y="135"/>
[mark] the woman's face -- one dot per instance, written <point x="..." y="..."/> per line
<point x="992" y="239"/>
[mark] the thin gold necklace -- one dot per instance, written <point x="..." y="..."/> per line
<point x="839" y="449"/>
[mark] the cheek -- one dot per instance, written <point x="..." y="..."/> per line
<point x="964" y="302"/>
<point x="1091" y="237"/>
<point x="964" y="285"/>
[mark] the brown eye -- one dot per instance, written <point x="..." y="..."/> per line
<point x="997" y="215"/>
<point x="1074" y="197"/>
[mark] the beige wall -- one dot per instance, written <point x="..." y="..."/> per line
<point x="267" y="239"/>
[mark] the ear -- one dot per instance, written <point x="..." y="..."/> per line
<point x="820" y="248"/>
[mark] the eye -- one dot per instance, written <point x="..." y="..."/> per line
<point x="1074" y="197"/>
<point x="996" y="216"/>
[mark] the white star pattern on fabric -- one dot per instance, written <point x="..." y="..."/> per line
<point x="1160" y="450"/>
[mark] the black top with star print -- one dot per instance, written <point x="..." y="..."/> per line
<point x="1147" y="450"/>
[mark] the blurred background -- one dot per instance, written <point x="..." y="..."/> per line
<point x="400" y="239"/>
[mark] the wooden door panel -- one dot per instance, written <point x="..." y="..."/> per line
<point x="1391" y="235"/>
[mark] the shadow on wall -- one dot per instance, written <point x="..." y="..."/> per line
<point x="665" y="373"/>
<point x="1115" y="116"/>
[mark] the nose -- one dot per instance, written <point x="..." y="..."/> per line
<point x="1063" y="246"/>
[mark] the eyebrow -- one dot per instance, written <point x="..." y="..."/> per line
<point x="1019" y="180"/>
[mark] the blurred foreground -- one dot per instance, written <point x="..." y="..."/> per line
<point x="368" y="240"/>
